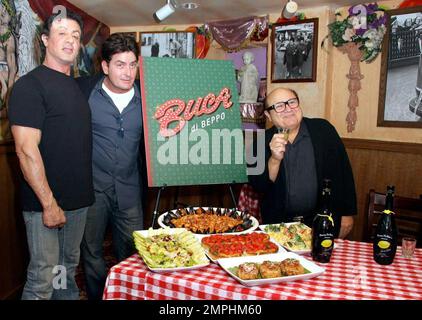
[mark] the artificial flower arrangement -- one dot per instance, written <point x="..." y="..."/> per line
<point x="365" y="26"/>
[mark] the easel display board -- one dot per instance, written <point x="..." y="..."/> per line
<point x="192" y="122"/>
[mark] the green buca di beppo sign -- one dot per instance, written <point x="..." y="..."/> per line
<point x="193" y="130"/>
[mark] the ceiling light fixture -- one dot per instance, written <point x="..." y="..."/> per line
<point x="289" y="9"/>
<point x="165" y="11"/>
<point x="170" y="7"/>
<point x="189" y="5"/>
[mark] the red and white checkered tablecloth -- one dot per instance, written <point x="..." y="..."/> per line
<point x="352" y="274"/>
<point x="126" y="280"/>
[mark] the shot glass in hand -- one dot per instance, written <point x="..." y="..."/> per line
<point x="285" y="132"/>
<point x="408" y="247"/>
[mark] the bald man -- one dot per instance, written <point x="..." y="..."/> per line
<point x="297" y="164"/>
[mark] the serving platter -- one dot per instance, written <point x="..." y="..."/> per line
<point x="165" y="270"/>
<point x="153" y="257"/>
<point x="245" y="248"/>
<point x="248" y="222"/>
<point x="230" y="264"/>
<point x="264" y="227"/>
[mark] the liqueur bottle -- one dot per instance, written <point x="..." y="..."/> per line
<point x="323" y="228"/>
<point x="385" y="239"/>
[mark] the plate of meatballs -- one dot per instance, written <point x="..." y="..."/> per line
<point x="270" y="268"/>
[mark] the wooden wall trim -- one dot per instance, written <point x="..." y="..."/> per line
<point x="389" y="146"/>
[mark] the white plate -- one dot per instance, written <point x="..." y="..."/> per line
<point x="280" y="248"/>
<point x="255" y="223"/>
<point x="314" y="269"/>
<point x="162" y="270"/>
<point x="303" y="251"/>
<point x="147" y="233"/>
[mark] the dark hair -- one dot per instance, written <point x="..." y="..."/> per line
<point x="118" y="43"/>
<point x="291" y="90"/>
<point x="69" y="15"/>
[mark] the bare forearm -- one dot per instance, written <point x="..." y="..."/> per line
<point x="346" y="226"/>
<point x="33" y="170"/>
<point x="273" y="168"/>
<point x="277" y="147"/>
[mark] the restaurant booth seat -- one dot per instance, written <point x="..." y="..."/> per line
<point x="408" y="216"/>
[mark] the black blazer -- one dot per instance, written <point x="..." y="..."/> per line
<point x="331" y="161"/>
<point x="87" y="84"/>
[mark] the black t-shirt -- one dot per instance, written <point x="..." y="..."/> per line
<point x="52" y="102"/>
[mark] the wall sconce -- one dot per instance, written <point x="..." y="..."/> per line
<point x="165" y="11"/>
<point x="289" y="9"/>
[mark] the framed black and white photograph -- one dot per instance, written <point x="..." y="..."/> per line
<point x="400" y="94"/>
<point x="175" y="44"/>
<point x="294" y="51"/>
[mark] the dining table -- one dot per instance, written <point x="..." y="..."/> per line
<point x="351" y="274"/>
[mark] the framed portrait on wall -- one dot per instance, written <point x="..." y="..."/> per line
<point x="400" y="93"/>
<point x="294" y="51"/>
<point x="175" y="44"/>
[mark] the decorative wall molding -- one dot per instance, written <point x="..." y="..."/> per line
<point x="377" y="145"/>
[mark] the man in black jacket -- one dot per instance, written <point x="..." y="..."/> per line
<point x="115" y="103"/>
<point x="297" y="164"/>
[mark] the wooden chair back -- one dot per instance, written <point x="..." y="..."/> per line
<point x="408" y="216"/>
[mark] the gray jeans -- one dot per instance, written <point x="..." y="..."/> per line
<point x="123" y="223"/>
<point x="54" y="256"/>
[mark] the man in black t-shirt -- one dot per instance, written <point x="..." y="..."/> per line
<point x="51" y="125"/>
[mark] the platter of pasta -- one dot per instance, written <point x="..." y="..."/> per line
<point x="270" y="269"/>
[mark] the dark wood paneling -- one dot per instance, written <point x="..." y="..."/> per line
<point x="377" y="164"/>
<point x="13" y="252"/>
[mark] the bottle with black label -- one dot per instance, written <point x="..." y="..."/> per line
<point x="385" y="239"/>
<point x="323" y="228"/>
